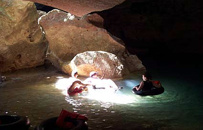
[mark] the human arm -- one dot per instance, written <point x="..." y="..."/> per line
<point x="111" y="83"/>
<point x="77" y="84"/>
<point x="138" y="88"/>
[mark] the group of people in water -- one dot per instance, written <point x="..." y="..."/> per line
<point x="146" y="87"/>
<point x="92" y="82"/>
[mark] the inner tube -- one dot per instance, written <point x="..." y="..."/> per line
<point x="13" y="122"/>
<point x="50" y="124"/>
<point x="153" y="91"/>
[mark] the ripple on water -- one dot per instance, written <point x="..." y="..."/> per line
<point x="36" y="97"/>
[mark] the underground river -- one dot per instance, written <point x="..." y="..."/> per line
<point x="33" y="93"/>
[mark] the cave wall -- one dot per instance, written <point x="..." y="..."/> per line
<point x="157" y="26"/>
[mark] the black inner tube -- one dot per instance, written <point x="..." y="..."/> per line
<point x="50" y="124"/>
<point x="153" y="91"/>
<point x="11" y="122"/>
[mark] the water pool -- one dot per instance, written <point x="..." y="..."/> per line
<point x="33" y="93"/>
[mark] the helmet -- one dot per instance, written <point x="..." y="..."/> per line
<point x="73" y="73"/>
<point x="92" y="73"/>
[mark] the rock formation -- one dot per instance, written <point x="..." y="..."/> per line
<point x="157" y="26"/>
<point x="22" y="43"/>
<point x="80" y="7"/>
<point x="106" y="64"/>
<point x="69" y="35"/>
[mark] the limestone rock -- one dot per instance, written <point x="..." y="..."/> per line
<point x="106" y="64"/>
<point x="69" y="35"/>
<point x="80" y="7"/>
<point x="133" y="63"/>
<point x="21" y="39"/>
<point x="40" y="13"/>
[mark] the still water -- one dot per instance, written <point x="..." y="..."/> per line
<point x="33" y="93"/>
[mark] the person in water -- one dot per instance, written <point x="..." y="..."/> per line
<point x="146" y="84"/>
<point x="77" y="85"/>
<point x="100" y="83"/>
<point x="94" y="80"/>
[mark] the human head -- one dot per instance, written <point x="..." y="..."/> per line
<point x="93" y="73"/>
<point x="146" y="76"/>
<point x="74" y="74"/>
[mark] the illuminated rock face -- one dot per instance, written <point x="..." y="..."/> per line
<point x="106" y="64"/>
<point x="80" y="7"/>
<point x="21" y="39"/>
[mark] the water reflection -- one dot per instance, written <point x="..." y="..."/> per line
<point x="33" y="93"/>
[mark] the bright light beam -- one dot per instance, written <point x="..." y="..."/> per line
<point x="103" y="95"/>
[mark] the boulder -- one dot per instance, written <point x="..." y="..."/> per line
<point x="69" y="35"/>
<point x="133" y="63"/>
<point x="80" y="7"/>
<point x="106" y="64"/>
<point x="22" y="43"/>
